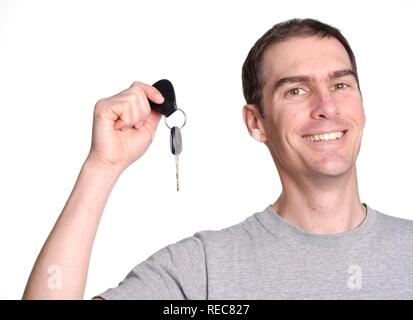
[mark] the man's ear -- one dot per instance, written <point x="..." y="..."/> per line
<point x="254" y="122"/>
<point x="364" y="119"/>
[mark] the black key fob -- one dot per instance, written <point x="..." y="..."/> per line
<point x="167" y="90"/>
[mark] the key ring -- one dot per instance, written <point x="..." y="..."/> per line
<point x="166" y="121"/>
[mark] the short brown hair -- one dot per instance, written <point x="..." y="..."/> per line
<point x="252" y="81"/>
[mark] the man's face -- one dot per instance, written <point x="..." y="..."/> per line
<point x="314" y="116"/>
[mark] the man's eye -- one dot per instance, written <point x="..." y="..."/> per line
<point x="295" y="92"/>
<point x="340" y="86"/>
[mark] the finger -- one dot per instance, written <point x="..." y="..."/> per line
<point x="150" y="92"/>
<point x="139" y="110"/>
<point x="125" y="116"/>
<point x="151" y="124"/>
<point x="152" y="121"/>
<point x="139" y="104"/>
<point x="136" y="87"/>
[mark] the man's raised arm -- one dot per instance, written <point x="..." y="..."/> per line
<point x="123" y="128"/>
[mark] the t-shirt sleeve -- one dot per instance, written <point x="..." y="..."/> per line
<point x="177" y="271"/>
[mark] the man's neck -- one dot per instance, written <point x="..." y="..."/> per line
<point x="323" y="207"/>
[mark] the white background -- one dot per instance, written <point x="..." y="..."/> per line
<point x="57" y="58"/>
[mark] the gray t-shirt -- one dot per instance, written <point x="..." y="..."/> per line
<point x="265" y="257"/>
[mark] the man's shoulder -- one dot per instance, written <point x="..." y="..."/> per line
<point x="394" y="224"/>
<point x="246" y="229"/>
<point x="395" y="219"/>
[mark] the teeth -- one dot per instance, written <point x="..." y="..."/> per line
<point x="325" y="136"/>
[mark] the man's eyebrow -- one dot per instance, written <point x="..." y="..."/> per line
<point x="291" y="79"/>
<point x="303" y="78"/>
<point x="342" y="73"/>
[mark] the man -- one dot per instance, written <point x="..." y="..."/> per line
<point x="317" y="241"/>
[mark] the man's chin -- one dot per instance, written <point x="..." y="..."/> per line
<point x="331" y="169"/>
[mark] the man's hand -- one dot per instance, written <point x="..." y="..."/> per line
<point x="124" y="125"/>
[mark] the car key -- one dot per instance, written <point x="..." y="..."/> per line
<point x="167" y="108"/>
<point x="176" y="149"/>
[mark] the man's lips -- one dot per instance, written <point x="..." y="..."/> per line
<point x="325" y="136"/>
<point x="323" y="131"/>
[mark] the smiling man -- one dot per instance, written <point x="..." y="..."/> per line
<point x="308" y="92"/>
<point x="316" y="241"/>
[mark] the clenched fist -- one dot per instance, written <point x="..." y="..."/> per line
<point x="124" y="125"/>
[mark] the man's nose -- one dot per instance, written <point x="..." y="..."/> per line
<point x="324" y="105"/>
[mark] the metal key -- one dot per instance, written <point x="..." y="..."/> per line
<point x="167" y="108"/>
<point x="176" y="149"/>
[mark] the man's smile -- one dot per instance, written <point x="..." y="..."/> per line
<point x="326" y="136"/>
<point x="331" y="139"/>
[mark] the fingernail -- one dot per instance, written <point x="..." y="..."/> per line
<point x="160" y="97"/>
